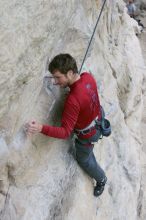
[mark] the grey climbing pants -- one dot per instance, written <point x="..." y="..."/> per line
<point x="86" y="159"/>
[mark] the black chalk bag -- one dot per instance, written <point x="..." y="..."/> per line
<point x="105" y="127"/>
<point x="105" y="124"/>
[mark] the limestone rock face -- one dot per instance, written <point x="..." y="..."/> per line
<point x="141" y="4"/>
<point x="39" y="178"/>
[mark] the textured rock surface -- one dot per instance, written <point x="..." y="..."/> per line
<point x="39" y="179"/>
<point x="142" y="199"/>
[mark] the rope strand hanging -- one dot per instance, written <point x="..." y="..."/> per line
<point x="92" y="35"/>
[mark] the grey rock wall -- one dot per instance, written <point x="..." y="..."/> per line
<point x="39" y="178"/>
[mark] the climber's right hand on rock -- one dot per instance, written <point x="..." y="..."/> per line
<point x="33" y="127"/>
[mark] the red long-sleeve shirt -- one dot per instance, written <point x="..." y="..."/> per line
<point x="81" y="107"/>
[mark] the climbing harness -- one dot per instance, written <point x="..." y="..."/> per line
<point x="92" y="35"/>
<point x="88" y="129"/>
<point x="103" y="125"/>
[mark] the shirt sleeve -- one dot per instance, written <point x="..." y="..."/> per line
<point x="69" y="119"/>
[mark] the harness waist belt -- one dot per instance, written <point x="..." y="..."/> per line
<point x="88" y="128"/>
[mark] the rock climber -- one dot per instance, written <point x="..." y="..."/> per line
<point x="132" y="11"/>
<point x="131" y="8"/>
<point x="80" y="114"/>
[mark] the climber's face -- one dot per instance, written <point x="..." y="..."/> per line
<point x="61" y="79"/>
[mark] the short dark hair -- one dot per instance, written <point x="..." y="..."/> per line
<point x="63" y="63"/>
